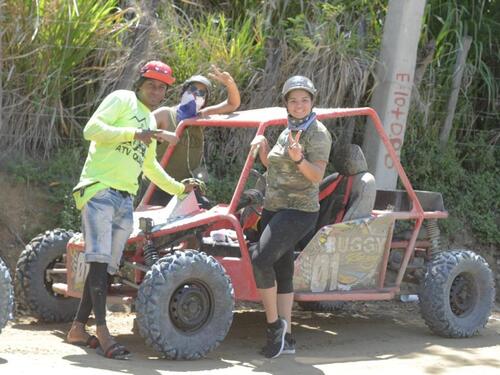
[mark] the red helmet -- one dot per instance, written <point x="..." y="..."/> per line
<point x="159" y="71"/>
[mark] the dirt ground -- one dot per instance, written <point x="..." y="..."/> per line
<point x="382" y="337"/>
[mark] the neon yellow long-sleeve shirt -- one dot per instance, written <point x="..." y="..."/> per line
<point x="115" y="159"/>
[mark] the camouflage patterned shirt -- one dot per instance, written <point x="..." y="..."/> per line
<point x="286" y="186"/>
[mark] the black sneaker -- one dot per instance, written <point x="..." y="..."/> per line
<point x="275" y="339"/>
<point x="289" y="347"/>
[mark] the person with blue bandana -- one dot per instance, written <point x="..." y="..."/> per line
<point x="188" y="152"/>
<point x="295" y="166"/>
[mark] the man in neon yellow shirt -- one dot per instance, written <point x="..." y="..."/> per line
<point x="123" y="137"/>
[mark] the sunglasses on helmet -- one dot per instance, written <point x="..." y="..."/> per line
<point x="196" y="91"/>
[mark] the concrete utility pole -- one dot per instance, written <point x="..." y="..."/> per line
<point x="394" y="81"/>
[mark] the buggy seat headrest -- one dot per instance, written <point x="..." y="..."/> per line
<point x="349" y="160"/>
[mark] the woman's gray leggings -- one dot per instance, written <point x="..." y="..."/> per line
<point x="273" y="258"/>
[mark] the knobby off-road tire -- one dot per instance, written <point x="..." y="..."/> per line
<point x="457" y="293"/>
<point x="34" y="279"/>
<point x="185" y="305"/>
<point x="323" y="306"/>
<point x="6" y="295"/>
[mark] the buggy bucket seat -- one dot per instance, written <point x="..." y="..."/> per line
<point x="350" y="193"/>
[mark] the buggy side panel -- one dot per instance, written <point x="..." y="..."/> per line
<point x="344" y="256"/>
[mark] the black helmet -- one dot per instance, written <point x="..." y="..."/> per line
<point x="298" y="82"/>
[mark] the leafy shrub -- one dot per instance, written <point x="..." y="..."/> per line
<point x="467" y="176"/>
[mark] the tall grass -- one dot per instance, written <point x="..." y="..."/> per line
<point x="192" y="45"/>
<point x="53" y="51"/>
<point x="328" y="42"/>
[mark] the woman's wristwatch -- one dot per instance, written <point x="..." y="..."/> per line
<point x="300" y="160"/>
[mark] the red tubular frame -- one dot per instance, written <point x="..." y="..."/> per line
<point x="240" y="270"/>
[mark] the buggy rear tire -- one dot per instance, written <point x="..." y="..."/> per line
<point x="185" y="305"/>
<point x="457" y="293"/>
<point x="6" y="295"/>
<point x="34" y="278"/>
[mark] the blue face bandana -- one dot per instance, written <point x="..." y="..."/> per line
<point x="189" y="106"/>
<point x="302" y="124"/>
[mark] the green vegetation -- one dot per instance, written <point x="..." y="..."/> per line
<point x="61" y="57"/>
<point x="52" y="51"/>
<point x="57" y="177"/>
<point x="467" y="176"/>
<point x="466" y="169"/>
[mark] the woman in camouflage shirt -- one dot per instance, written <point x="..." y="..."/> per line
<point x="295" y="166"/>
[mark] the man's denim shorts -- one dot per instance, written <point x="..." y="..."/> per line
<point x="107" y="221"/>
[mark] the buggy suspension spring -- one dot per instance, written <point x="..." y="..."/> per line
<point x="433" y="233"/>
<point x="150" y="254"/>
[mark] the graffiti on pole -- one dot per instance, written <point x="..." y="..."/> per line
<point x="400" y="103"/>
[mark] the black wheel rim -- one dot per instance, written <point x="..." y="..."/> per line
<point x="190" y="306"/>
<point x="463" y="295"/>
<point x="54" y="273"/>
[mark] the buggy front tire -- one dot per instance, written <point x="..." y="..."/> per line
<point x="185" y="305"/>
<point x="457" y="293"/>
<point x="6" y="295"/>
<point x="41" y="264"/>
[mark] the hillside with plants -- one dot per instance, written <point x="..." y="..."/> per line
<point x="60" y="58"/>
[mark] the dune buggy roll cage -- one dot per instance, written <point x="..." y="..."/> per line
<point x="261" y="119"/>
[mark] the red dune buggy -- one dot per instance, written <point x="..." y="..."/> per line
<point x="186" y="264"/>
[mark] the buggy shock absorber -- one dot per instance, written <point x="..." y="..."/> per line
<point x="150" y="253"/>
<point x="433" y="233"/>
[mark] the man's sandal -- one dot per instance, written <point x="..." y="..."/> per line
<point x="115" y="351"/>
<point x="92" y="342"/>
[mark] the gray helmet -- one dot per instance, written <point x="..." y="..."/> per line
<point x="200" y="79"/>
<point x="298" y="82"/>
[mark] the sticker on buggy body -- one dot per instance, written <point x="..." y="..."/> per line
<point x="344" y="256"/>
<point x="78" y="268"/>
